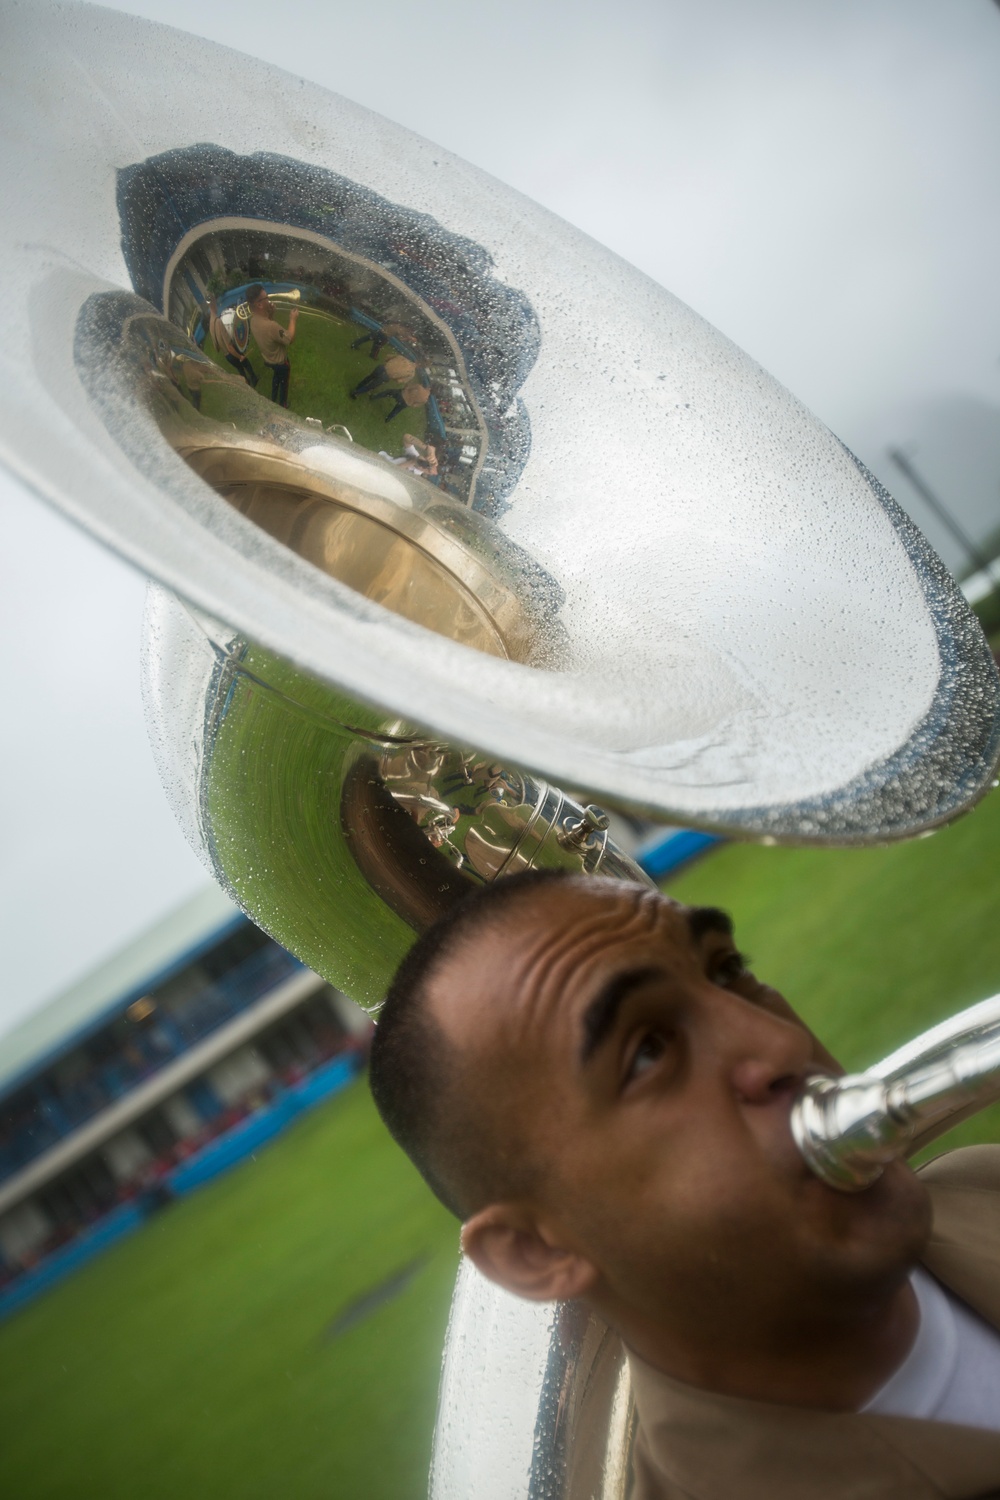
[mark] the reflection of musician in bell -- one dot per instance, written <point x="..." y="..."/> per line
<point x="226" y="347"/>
<point x="272" y="340"/>
<point x="588" y="1074"/>
<point x="416" y="392"/>
<point x="380" y="336"/>
<point x="406" y="383"/>
<point x="395" y="370"/>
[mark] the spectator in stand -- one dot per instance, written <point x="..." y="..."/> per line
<point x="155" y="1191"/>
<point x="223" y="342"/>
<point x="272" y="340"/>
<point x="418" y="457"/>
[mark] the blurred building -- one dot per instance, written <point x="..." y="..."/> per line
<point x="165" y="1066"/>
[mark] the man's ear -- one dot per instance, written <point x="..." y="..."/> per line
<point x="509" y="1247"/>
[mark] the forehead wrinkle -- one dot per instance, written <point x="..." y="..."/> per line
<point x="548" y="965"/>
<point x="513" y="1006"/>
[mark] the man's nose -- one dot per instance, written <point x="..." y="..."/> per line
<point x="758" y="1082"/>
<point x="767" y="1058"/>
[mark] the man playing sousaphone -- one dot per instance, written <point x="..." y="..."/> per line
<point x="272" y="340"/>
<point x="589" y="1075"/>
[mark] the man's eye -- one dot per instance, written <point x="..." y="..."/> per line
<point x="731" y="968"/>
<point x="646" y="1055"/>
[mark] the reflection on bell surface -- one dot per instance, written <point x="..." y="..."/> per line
<point x="340" y="829"/>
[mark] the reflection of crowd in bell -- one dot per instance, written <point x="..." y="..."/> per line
<point x="401" y="378"/>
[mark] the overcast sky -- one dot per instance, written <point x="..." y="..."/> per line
<point x="816" y="177"/>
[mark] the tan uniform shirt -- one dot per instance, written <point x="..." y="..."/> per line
<point x="398" y="367"/>
<point x="415" y="394"/>
<point x="694" y="1445"/>
<point x="271" y="338"/>
<point x="220" y="335"/>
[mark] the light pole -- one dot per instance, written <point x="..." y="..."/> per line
<point x="923" y="489"/>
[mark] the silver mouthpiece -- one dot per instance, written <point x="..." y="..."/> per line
<point x="849" y="1129"/>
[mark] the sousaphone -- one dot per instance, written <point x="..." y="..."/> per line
<point x="528" y="522"/>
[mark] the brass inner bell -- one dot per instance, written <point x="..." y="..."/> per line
<point x="408" y="559"/>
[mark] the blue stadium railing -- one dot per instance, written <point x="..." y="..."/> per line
<point x="667" y="850"/>
<point x="218" y="1156"/>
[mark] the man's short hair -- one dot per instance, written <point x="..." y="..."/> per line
<point x="254" y="290"/>
<point x="418" y="1077"/>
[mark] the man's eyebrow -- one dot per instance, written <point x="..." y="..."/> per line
<point x="702" y="919"/>
<point x="599" y="1018"/>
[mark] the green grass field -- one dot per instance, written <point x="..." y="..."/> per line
<point x="194" y="1359"/>
<point x="324" y="370"/>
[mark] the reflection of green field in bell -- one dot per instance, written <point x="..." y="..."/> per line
<point x="871" y="946"/>
<point x="275" y="782"/>
<point x="324" y="370"/>
<point x="196" y="1358"/>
